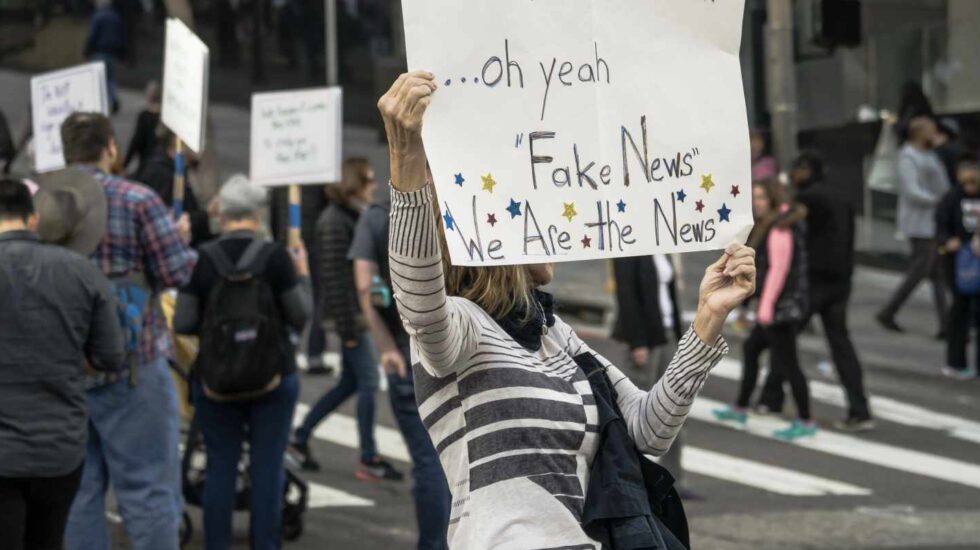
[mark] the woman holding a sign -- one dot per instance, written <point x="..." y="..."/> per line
<point x="537" y="433"/>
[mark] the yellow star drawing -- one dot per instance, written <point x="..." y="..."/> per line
<point x="569" y="211"/>
<point x="706" y="182"/>
<point x="488" y="182"/>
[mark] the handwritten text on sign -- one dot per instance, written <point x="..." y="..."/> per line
<point x="185" y="84"/>
<point x="296" y="137"/>
<point x="584" y="129"/>
<point x="56" y="95"/>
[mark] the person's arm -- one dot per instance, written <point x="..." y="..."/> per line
<point x="169" y="260"/>
<point x="391" y="357"/>
<point x="780" y="252"/>
<point x="291" y="282"/>
<point x="911" y="187"/>
<point x="104" y="348"/>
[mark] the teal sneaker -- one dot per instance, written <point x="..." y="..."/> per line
<point x="796" y="430"/>
<point x="731" y="414"/>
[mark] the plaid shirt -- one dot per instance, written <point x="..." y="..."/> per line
<point x="141" y="237"/>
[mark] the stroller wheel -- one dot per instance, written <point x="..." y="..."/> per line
<point x="186" y="529"/>
<point x="292" y="523"/>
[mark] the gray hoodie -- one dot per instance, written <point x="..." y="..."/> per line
<point x="922" y="182"/>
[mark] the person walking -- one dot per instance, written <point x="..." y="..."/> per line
<point x="262" y="365"/>
<point x="144" y="141"/>
<point x="501" y="380"/>
<point x="58" y="315"/>
<point x="830" y="262"/>
<point x="648" y="320"/>
<point x="957" y="224"/>
<point x="779" y="239"/>
<point x="133" y="443"/>
<point x="106" y="42"/>
<point x="342" y="313"/>
<point x="369" y="251"/>
<point x="922" y="183"/>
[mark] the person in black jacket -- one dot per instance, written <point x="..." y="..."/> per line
<point x="342" y="313"/>
<point x="830" y="250"/>
<point x="956" y="227"/>
<point x="158" y="174"/>
<point x="144" y="141"/>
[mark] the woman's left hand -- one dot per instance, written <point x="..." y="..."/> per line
<point x="726" y="284"/>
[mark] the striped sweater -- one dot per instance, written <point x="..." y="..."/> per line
<point x="516" y="430"/>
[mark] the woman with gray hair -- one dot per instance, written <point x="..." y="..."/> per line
<point x="243" y="298"/>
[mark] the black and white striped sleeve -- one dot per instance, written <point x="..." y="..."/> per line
<point x="444" y="333"/>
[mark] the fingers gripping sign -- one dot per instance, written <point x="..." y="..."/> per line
<point x="403" y="108"/>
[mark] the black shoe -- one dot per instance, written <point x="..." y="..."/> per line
<point x="378" y="470"/>
<point x="855" y="424"/>
<point x="888" y="323"/>
<point x="299" y="454"/>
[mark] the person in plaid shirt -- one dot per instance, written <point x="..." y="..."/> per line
<point x="133" y="421"/>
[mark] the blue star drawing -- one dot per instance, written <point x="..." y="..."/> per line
<point x="621" y="206"/>
<point x="460" y="179"/>
<point x="723" y="213"/>
<point x="681" y="195"/>
<point x="514" y="209"/>
<point x="450" y="222"/>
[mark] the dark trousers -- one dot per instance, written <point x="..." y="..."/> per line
<point x="34" y="510"/>
<point x="923" y="263"/>
<point x="430" y="490"/>
<point x="780" y="340"/>
<point x="829" y="300"/>
<point x="266" y="421"/>
<point x="964" y="314"/>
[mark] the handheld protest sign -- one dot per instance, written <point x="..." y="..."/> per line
<point x="583" y="129"/>
<point x="56" y="95"/>
<point x="296" y="140"/>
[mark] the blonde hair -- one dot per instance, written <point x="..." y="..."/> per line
<point x="497" y="289"/>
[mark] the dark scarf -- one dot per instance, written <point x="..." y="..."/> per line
<point x="525" y="329"/>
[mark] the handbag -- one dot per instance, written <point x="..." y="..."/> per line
<point x="967" y="271"/>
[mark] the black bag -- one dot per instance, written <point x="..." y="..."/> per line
<point x="241" y="353"/>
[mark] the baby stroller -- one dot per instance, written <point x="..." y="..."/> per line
<point x="192" y="477"/>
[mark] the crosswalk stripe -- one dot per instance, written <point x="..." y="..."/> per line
<point x="323" y="496"/>
<point x="342" y="430"/>
<point x="763" y="476"/>
<point x="853" y="448"/>
<point x="884" y="408"/>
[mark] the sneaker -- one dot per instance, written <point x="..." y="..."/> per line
<point x="377" y="470"/>
<point x="300" y="455"/>
<point x="957" y="374"/>
<point x="888" y="323"/>
<point x="855" y="425"/>
<point x="731" y="414"/>
<point x="796" y="430"/>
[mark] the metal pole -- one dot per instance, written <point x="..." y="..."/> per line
<point x="782" y="80"/>
<point x="330" y="38"/>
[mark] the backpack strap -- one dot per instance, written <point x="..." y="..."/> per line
<point x="254" y="258"/>
<point x="221" y="260"/>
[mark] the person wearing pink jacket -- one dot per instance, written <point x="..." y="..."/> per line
<point x="778" y="238"/>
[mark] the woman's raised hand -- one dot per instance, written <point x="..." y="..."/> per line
<point x="402" y="109"/>
<point x="726" y="284"/>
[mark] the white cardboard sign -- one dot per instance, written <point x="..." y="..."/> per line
<point x="296" y="137"/>
<point x="584" y="129"/>
<point x="185" y="84"/>
<point x="56" y="95"/>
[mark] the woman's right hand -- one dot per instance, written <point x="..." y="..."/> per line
<point x="300" y="259"/>
<point x="402" y="109"/>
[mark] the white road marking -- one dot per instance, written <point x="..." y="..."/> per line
<point x="342" y="430"/>
<point x="853" y="448"/>
<point x="322" y="496"/>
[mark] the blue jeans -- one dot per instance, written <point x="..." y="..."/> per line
<point x="133" y="444"/>
<point x="359" y="374"/>
<point x="430" y="491"/>
<point x="223" y="425"/>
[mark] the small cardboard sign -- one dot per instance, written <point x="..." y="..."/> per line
<point x="56" y="95"/>
<point x="296" y="137"/>
<point x="185" y="84"/>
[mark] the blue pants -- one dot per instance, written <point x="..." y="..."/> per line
<point x="133" y="444"/>
<point x="223" y="426"/>
<point x="359" y="374"/>
<point x="430" y="491"/>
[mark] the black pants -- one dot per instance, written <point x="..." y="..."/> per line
<point x="962" y="316"/>
<point x="923" y="262"/>
<point x="34" y="510"/>
<point x="780" y="340"/>
<point x="829" y="301"/>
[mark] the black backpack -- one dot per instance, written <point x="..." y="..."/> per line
<point x="241" y="352"/>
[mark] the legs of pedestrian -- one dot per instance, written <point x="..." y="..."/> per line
<point x="921" y="265"/>
<point x="35" y="510"/>
<point x="938" y="280"/>
<point x="833" y="314"/>
<point x="86" y="526"/>
<point x="13" y="520"/>
<point x="270" y="419"/>
<point x="430" y="490"/>
<point x="345" y="388"/>
<point x="784" y="357"/>
<point x="752" y="349"/>
<point x="772" y="397"/>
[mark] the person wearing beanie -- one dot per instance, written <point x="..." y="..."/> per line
<point x="265" y="416"/>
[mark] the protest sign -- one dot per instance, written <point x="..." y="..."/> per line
<point x="584" y="129"/>
<point x="296" y="137"/>
<point x="185" y="84"/>
<point x="56" y="95"/>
